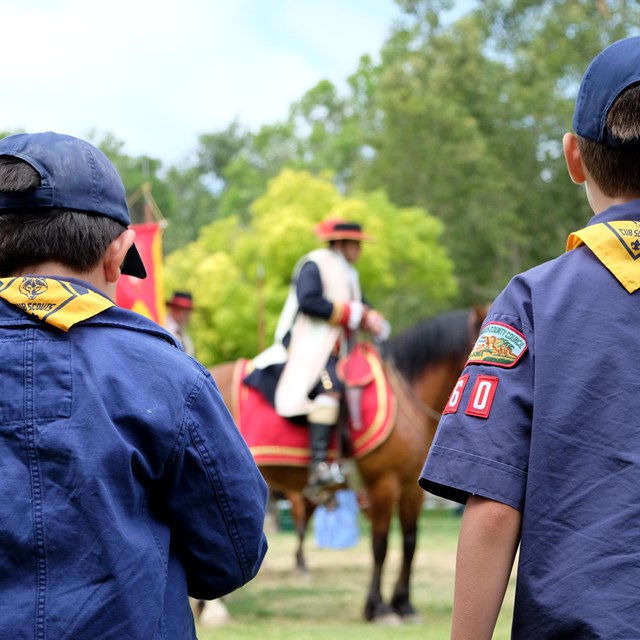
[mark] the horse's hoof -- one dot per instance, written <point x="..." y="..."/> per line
<point x="412" y="618"/>
<point x="388" y="620"/>
<point x="317" y="495"/>
<point x="406" y="611"/>
<point x="304" y="575"/>
<point x="214" y="614"/>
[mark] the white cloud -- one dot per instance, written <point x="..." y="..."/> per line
<point x="158" y="73"/>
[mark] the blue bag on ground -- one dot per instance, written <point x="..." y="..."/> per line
<point x="338" y="527"/>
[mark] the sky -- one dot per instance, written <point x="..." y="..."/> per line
<point x="156" y="74"/>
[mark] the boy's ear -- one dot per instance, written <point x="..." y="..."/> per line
<point x="573" y="158"/>
<point x="115" y="253"/>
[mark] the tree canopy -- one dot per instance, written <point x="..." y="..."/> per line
<point x="460" y="118"/>
<point x="239" y="274"/>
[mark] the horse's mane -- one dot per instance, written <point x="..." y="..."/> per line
<point x="444" y="336"/>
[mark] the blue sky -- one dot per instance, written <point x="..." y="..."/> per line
<point x="157" y="73"/>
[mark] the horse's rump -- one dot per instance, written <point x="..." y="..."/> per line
<point x="274" y="440"/>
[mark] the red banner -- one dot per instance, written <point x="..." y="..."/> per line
<point x="146" y="297"/>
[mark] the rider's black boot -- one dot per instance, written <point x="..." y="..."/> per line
<point x="322" y="475"/>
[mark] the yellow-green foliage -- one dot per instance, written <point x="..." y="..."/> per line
<point x="405" y="271"/>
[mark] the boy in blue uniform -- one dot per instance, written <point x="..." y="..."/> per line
<point x="126" y="485"/>
<point x="541" y="436"/>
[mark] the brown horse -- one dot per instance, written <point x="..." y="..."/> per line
<point x="422" y="364"/>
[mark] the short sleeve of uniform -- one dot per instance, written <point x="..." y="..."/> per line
<point x="483" y="441"/>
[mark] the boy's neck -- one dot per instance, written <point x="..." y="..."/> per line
<point x="599" y="201"/>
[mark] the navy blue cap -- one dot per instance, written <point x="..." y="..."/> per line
<point x="612" y="71"/>
<point x="75" y="176"/>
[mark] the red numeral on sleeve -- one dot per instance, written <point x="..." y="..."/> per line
<point x="456" y="395"/>
<point x="482" y="395"/>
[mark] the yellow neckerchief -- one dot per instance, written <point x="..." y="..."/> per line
<point x="57" y="302"/>
<point x="616" y="245"/>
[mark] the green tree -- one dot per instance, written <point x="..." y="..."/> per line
<point x="465" y="120"/>
<point x="430" y="149"/>
<point x="240" y="274"/>
<point x="192" y="206"/>
<point x="139" y="174"/>
<point x="323" y="132"/>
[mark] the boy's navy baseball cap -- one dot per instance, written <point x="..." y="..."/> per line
<point x="612" y="71"/>
<point x="75" y="176"/>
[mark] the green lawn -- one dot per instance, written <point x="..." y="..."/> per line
<point x="279" y="604"/>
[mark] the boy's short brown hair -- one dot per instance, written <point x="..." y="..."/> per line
<point x="74" y="239"/>
<point x="71" y="175"/>
<point x="616" y="170"/>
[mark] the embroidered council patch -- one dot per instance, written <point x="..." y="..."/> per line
<point x="499" y="345"/>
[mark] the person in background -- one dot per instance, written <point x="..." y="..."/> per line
<point x="317" y="326"/>
<point x="126" y="486"/>
<point x="179" y="310"/>
<point x="540" y="436"/>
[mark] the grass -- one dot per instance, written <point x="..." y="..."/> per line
<point x="279" y="604"/>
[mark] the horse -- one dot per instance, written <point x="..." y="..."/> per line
<point x="421" y="364"/>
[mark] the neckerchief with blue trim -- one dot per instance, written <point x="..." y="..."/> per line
<point x="56" y="302"/>
<point x="617" y="245"/>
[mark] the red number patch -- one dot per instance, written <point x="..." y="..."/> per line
<point x="482" y="395"/>
<point x="456" y="395"/>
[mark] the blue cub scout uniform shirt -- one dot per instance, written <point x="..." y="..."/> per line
<point x="553" y="431"/>
<point x="125" y="483"/>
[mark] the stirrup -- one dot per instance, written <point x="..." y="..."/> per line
<point x="324" y="479"/>
<point x="326" y="475"/>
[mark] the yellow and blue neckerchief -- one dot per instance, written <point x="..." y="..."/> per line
<point x="617" y="245"/>
<point x="57" y="302"/>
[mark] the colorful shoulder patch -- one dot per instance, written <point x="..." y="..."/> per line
<point x="499" y="345"/>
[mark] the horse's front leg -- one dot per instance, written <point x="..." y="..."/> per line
<point x="381" y="507"/>
<point x="376" y="610"/>
<point x="409" y="512"/>
<point x="401" y="602"/>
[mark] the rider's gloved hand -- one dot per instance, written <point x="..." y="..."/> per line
<point x="376" y="324"/>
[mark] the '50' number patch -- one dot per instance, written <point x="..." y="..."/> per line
<point x="480" y="400"/>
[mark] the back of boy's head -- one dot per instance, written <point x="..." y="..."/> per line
<point x="607" y="118"/>
<point x="61" y="200"/>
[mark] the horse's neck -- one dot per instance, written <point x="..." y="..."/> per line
<point x="410" y="396"/>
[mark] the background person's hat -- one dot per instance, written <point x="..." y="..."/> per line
<point x="612" y="71"/>
<point x="181" y="299"/>
<point x="75" y="176"/>
<point x="336" y="229"/>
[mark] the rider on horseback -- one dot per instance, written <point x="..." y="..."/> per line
<point x="317" y="326"/>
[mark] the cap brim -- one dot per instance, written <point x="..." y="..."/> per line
<point x="180" y="305"/>
<point x="133" y="265"/>
<point x="345" y="235"/>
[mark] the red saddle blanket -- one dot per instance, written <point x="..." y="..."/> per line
<point x="275" y="440"/>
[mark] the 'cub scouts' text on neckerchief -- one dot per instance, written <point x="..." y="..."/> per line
<point x="616" y="245"/>
<point x="57" y="302"/>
